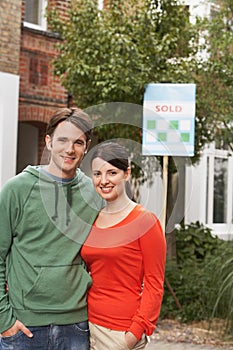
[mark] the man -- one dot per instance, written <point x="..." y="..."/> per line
<point x="46" y="214"/>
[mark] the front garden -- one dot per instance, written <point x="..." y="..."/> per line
<point x="201" y="278"/>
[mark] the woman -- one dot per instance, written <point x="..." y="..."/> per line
<point x="125" y="255"/>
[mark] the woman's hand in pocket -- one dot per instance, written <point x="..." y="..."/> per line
<point x="130" y="339"/>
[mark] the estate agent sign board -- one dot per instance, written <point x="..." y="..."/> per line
<point x="169" y="120"/>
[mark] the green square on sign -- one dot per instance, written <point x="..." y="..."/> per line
<point x="151" y="124"/>
<point x="162" y="136"/>
<point x="174" y="124"/>
<point x="185" y="137"/>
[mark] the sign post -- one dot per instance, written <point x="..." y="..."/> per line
<point x="165" y="185"/>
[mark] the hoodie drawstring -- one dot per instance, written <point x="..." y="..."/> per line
<point x="56" y="189"/>
<point x="68" y="202"/>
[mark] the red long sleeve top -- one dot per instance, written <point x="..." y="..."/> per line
<point x="127" y="263"/>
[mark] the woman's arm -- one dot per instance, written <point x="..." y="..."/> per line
<point x="153" y="249"/>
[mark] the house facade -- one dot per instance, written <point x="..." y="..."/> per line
<point x="9" y="86"/>
<point x="211" y="188"/>
<point x="29" y="93"/>
<point x="40" y="92"/>
<point x="209" y="195"/>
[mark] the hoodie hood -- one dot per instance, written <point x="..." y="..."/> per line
<point x="43" y="176"/>
<point x="57" y="195"/>
<point x="39" y="172"/>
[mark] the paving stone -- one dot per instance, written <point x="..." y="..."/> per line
<point x="159" y="345"/>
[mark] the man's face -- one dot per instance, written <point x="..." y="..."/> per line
<point x="67" y="146"/>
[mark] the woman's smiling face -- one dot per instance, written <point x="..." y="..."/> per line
<point x="108" y="180"/>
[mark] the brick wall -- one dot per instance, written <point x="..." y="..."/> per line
<point x="38" y="86"/>
<point x="10" y="22"/>
<point x="40" y="91"/>
<point x="61" y="6"/>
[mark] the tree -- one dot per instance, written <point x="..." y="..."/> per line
<point x="215" y="77"/>
<point x="110" y="55"/>
<point x="113" y="53"/>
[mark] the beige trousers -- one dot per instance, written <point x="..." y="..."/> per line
<point x="102" y="338"/>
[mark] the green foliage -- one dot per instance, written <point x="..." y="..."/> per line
<point x="194" y="242"/>
<point x="224" y="277"/>
<point x="201" y="278"/>
<point x="190" y="285"/>
<point x="216" y="74"/>
<point x="110" y="55"/>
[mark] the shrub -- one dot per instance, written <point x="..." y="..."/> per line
<point x="195" y="241"/>
<point x="201" y="277"/>
<point x="223" y="306"/>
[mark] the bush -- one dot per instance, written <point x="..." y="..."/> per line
<point x="201" y="277"/>
<point x="223" y="306"/>
<point x="194" y="242"/>
<point x="192" y="286"/>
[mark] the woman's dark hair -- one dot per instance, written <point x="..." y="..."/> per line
<point x="112" y="153"/>
<point x="74" y="115"/>
<point x="116" y="155"/>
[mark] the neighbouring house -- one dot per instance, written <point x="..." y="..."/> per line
<point x="9" y="86"/>
<point x="204" y="192"/>
<point x="29" y="92"/>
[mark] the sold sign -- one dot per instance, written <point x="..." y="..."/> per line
<point x="166" y="108"/>
<point x="169" y="119"/>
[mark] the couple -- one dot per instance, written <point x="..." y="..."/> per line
<point x="58" y="242"/>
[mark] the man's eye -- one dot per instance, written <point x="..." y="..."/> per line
<point x="79" y="143"/>
<point x="62" y="140"/>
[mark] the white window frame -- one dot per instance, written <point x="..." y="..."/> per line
<point x="42" y="11"/>
<point x="199" y="192"/>
<point x="223" y="229"/>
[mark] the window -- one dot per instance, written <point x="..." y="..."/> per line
<point x="209" y="190"/>
<point x="35" y="14"/>
<point x="219" y="189"/>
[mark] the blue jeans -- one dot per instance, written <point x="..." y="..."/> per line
<point x="68" y="337"/>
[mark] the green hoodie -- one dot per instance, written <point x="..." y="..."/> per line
<point x="43" y="224"/>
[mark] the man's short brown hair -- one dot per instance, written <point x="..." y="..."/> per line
<point x="74" y="115"/>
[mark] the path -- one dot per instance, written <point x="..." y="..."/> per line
<point x="159" y="345"/>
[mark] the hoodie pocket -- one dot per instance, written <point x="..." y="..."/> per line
<point x="58" y="288"/>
